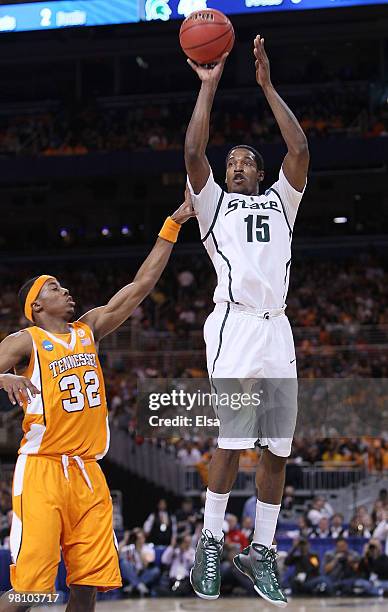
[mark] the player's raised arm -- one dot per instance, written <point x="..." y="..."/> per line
<point x="296" y="162"/>
<point x="13" y="350"/>
<point x="197" y="135"/>
<point x="106" y="319"/>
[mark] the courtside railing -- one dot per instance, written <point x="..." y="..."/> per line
<point x="158" y="464"/>
<point x="167" y="360"/>
<point x="130" y="337"/>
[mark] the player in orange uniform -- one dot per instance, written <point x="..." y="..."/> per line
<point x="60" y="496"/>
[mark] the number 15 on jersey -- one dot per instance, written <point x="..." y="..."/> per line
<point x="261" y="232"/>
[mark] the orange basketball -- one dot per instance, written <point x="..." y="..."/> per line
<point x="206" y="35"/>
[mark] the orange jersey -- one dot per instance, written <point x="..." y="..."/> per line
<point x="70" y="415"/>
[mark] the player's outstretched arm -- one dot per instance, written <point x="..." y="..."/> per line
<point x="296" y="162"/>
<point x="197" y="135"/>
<point x="13" y="350"/>
<point x="106" y="319"/>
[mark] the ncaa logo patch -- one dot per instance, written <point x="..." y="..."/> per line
<point x="47" y="345"/>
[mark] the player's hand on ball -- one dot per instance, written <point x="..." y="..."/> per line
<point x="263" y="72"/>
<point x="19" y="388"/>
<point x="186" y="210"/>
<point x="212" y="74"/>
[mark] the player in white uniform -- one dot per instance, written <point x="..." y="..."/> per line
<point x="248" y="336"/>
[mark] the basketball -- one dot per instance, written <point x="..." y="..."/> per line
<point x="206" y="35"/>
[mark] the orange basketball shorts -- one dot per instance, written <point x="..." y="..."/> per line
<point x="62" y="506"/>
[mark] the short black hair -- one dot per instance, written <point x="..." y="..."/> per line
<point x="258" y="156"/>
<point x="23" y="292"/>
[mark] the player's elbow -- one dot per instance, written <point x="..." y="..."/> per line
<point x="193" y="156"/>
<point x="301" y="148"/>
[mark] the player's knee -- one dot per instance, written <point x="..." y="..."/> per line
<point x="274" y="462"/>
<point x="229" y="455"/>
<point x="83" y="596"/>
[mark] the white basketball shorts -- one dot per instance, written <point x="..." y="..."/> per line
<point x="253" y="351"/>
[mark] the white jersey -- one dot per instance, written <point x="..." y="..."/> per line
<point x="248" y="239"/>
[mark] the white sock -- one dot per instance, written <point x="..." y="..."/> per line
<point x="215" y="508"/>
<point x="265" y="523"/>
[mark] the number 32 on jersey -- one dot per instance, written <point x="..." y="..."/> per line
<point x="78" y="395"/>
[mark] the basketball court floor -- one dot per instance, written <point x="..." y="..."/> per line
<point x="234" y="603"/>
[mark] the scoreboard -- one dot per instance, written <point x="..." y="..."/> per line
<point x="182" y="8"/>
<point x="54" y="14"/>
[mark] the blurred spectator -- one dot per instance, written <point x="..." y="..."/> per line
<point x="288" y="498"/>
<point x="341" y="563"/>
<point x="136" y="563"/>
<point x="6" y="531"/>
<point x="179" y="557"/>
<point x="383" y="497"/>
<point x="342" y="569"/>
<point x="303" y="530"/>
<point x="320" y="509"/>
<point x="186" y="517"/>
<point x="189" y="455"/>
<point x="250" y="508"/>
<point x="160" y="525"/>
<point x="374" y="565"/>
<point x="247" y="527"/>
<point x="306" y="563"/>
<point x="231" y="577"/>
<point x="358" y="526"/>
<point x="381" y="530"/>
<point x="5" y="509"/>
<point x="234" y="534"/>
<point x="337" y="526"/>
<point x="322" y="530"/>
<point x="186" y="282"/>
<point x="248" y="459"/>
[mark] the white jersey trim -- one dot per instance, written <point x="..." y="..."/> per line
<point x="34" y="439"/>
<point x="221" y="254"/>
<point x="205" y="202"/>
<point x="18" y="476"/>
<point x="15" y="537"/>
<point x="102" y="455"/>
<point x="290" y="196"/>
<point x="69" y="346"/>
<point x="36" y="404"/>
<point x="283" y="207"/>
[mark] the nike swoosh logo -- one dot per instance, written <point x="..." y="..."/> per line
<point x="293" y="360"/>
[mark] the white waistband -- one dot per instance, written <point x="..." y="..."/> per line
<point x="81" y="465"/>
<point x="256" y="312"/>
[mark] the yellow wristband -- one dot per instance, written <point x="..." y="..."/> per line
<point x="170" y="230"/>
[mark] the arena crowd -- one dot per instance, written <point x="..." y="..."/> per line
<point x="85" y="128"/>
